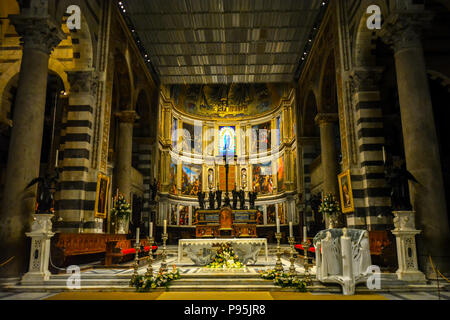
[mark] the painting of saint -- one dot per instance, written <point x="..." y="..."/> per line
<point x="191" y="179"/>
<point x="261" y="137"/>
<point x="227" y="140"/>
<point x="280" y="173"/>
<point x="346" y="194"/>
<point x="188" y="137"/>
<point x="173" y="178"/>
<point x="271" y="210"/>
<point x="101" y="199"/>
<point x="262" y="178"/>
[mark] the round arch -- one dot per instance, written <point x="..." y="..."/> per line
<point x="310" y="110"/>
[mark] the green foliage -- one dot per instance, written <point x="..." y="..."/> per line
<point x="225" y="258"/>
<point x="144" y="283"/>
<point x="121" y="209"/>
<point x="284" y="280"/>
<point x="331" y="209"/>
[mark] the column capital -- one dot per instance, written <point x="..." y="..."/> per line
<point x="127" y="116"/>
<point x="366" y="78"/>
<point x="83" y="81"/>
<point x="403" y="30"/>
<point x="38" y="33"/>
<point x="323" y="118"/>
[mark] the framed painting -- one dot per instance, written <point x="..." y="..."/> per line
<point x="345" y="191"/>
<point x="101" y="199"/>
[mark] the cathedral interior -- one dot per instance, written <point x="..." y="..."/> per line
<point x="134" y="132"/>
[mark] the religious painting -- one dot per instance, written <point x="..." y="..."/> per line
<point x="173" y="215"/>
<point x="261" y="138"/>
<point x="346" y="194"/>
<point x="188" y="137"/>
<point x="243" y="178"/>
<point x="279" y="129"/>
<point x="271" y="213"/>
<point x="221" y="101"/>
<point x="210" y="178"/>
<point x="260" y="215"/>
<point x="227" y="140"/>
<point x="281" y="213"/>
<point x="262" y="178"/>
<point x="184" y="216"/>
<point x="101" y="199"/>
<point x="191" y="179"/>
<point x="280" y="174"/>
<point x="173" y="178"/>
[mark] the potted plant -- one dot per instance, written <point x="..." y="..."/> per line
<point x="331" y="209"/>
<point x="121" y="212"/>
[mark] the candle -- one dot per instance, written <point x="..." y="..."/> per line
<point x="278" y="225"/>
<point x="384" y="155"/>
<point x="137" y="235"/>
<point x="151" y="229"/>
<point x="304" y="233"/>
<point x="291" y="231"/>
<point x="56" y="161"/>
<point x="165" y="226"/>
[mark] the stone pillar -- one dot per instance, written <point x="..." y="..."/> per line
<point x="405" y="233"/>
<point x="39" y="36"/>
<point x="402" y="31"/>
<point x="124" y="154"/>
<point x="328" y="152"/>
<point x="41" y="233"/>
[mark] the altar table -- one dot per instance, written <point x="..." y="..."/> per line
<point x="199" y="250"/>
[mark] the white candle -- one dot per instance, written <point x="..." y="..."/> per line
<point x="165" y="226"/>
<point x="278" y="225"/>
<point x="291" y="230"/>
<point x="151" y="229"/>
<point x="304" y="233"/>
<point x="137" y="235"/>
<point x="384" y="155"/>
<point x="56" y="161"/>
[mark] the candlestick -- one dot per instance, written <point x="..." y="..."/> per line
<point x="137" y="235"/>
<point x="149" y="272"/>
<point x="292" y="271"/>
<point x="163" y="267"/>
<point x="291" y="231"/>
<point x="278" y="264"/>
<point x="150" y="232"/>
<point x="278" y="225"/>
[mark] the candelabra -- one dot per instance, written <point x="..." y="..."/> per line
<point x="306" y="265"/>
<point x="136" y="261"/>
<point x="278" y="264"/>
<point x="149" y="272"/>
<point x="292" y="271"/>
<point x="163" y="267"/>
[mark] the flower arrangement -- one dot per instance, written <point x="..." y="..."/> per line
<point x="144" y="283"/>
<point x="225" y="258"/>
<point x="330" y="208"/>
<point x="121" y="209"/>
<point x="284" y="280"/>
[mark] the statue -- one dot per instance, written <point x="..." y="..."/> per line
<point x="252" y="197"/>
<point x="201" y="199"/>
<point x="45" y="192"/>
<point x="235" y="197"/>
<point x="211" y="200"/>
<point x="219" y="198"/>
<point x="397" y="177"/>
<point x="242" y="199"/>
<point x="154" y="189"/>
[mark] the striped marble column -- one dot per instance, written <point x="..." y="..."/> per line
<point x="77" y="190"/>
<point x="370" y="191"/>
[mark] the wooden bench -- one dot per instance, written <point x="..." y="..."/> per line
<point x="69" y="246"/>
<point x="123" y="250"/>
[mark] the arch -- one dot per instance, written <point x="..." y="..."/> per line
<point x="327" y="87"/>
<point x="363" y="38"/>
<point x="88" y="24"/>
<point x="122" y="82"/>
<point x="310" y="110"/>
